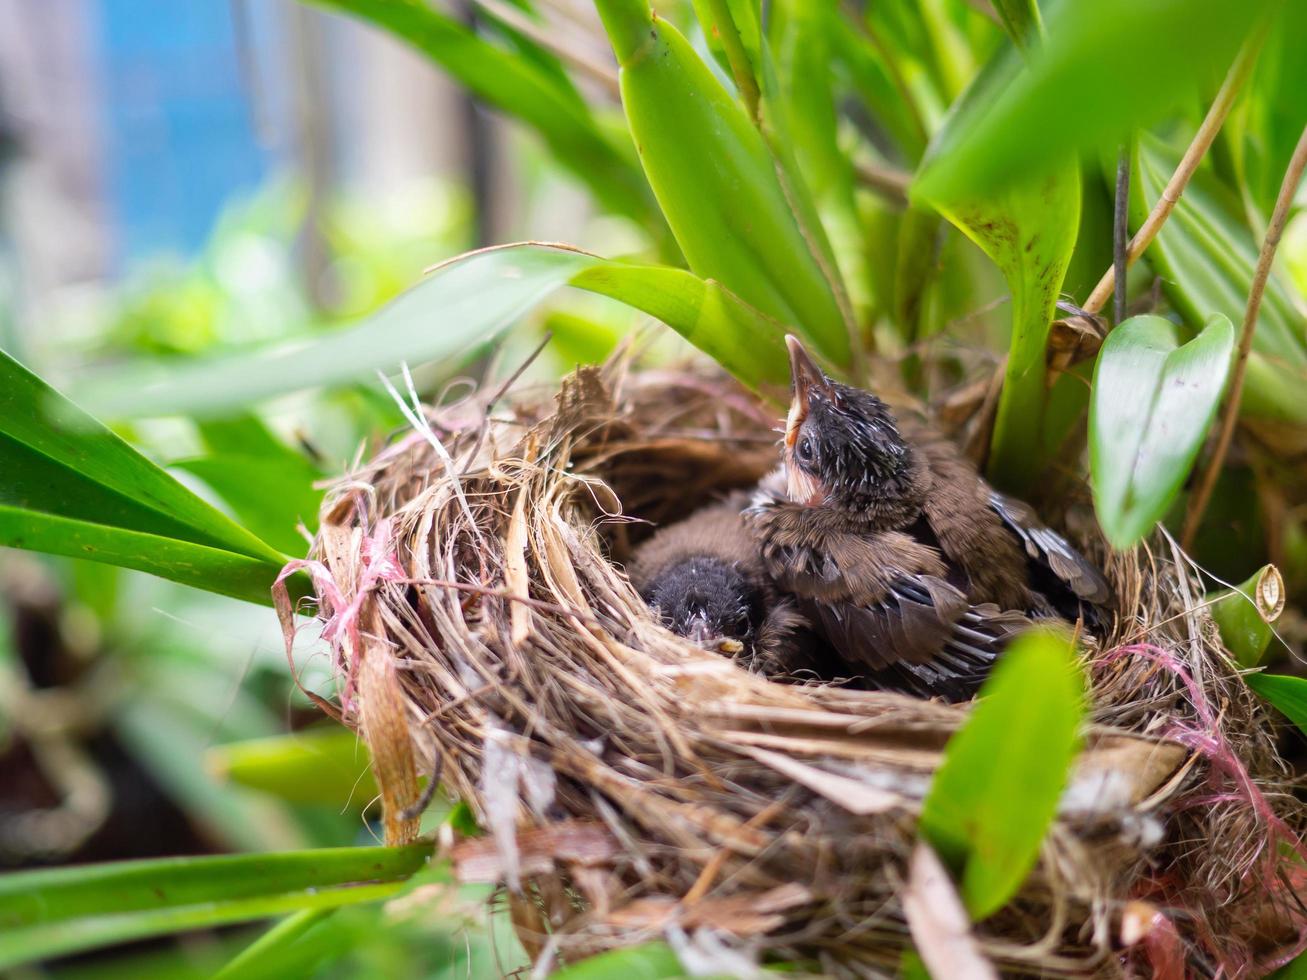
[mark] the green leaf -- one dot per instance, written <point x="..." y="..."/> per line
<point x="717" y="183"/>
<point x="74" y="488"/>
<point x="1107" y="67"/>
<point x="327" y="765"/>
<point x="201" y="567"/>
<point x="652" y="961"/>
<point x="67" y="910"/>
<point x="1020" y="19"/>
<point x="60" y="461"/>
<point x="1029" y="230"/>
<point x="1288" y="694"/>
<point x="1152" y="403"/>
<point x="1205" y="255"/>
<point x="466" y="301"/>
<point x="1244" y="614"/>
<point x="524" y="91"/>
<point x="254" y="960"/>
<point x="996" y="791"/>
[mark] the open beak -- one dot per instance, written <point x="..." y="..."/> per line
<point x="805" y="375"/>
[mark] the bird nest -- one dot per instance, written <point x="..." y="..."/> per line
<point x="632" y="786"/>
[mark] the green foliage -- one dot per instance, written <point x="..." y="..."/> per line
<point x="1288" y="694"/>
<point x="74" y="488"/>
<point x="1106" y="68"/>
<point x="996" y="791"/>
<point x="651" y="961"/>
<point x="1205" y="255"/>
<point x="320" y="765"/>
<point x="1153" y="401"/>
<point x="1244" y="614"/>
<point x="717" y="182"/>
<point x="1029" y="231"/>
<point x="49" y="913"/>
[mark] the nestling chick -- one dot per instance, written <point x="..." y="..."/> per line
<point x="897" y="551"/>
<point x="704" y="578"/>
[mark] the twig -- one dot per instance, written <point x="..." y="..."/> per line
<point x="1279" y="217"/>
<point x="888" y="181"/>
<point x="548" y="38"/>
<point x="1220" y="108"/>
<point x="1121" y="233"/>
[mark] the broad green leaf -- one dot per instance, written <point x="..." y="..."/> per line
<point x="996" y="791"/>
<point x="1244" y="614"/>
<point x="58" y="460"/>
<point x="67" y="910"/>
<point x="1288" y="694"/>
<point x="522" y="90"/>
<point x="1205" y="255"/>
<point x="746" y="343"/>
<point x="716" y="181"/>
<point x="1105" y="69"/>
<point x="652" y="961"/>
<point x="1152" y="403"/>
<point x="465" y="301"/>
<point x="74" y="488"/>
<point x="328" y="765"/>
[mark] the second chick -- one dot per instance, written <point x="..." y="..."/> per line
<point x="704" y="578"/>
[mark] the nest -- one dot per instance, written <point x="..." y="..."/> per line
<point x="634" y="786"/>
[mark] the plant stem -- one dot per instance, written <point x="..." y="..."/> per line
<point x="627" y="24"/>
<point x="889" y="182"/>
<point x="549" y="37"/>
<point x="1121" y="233"/>
<point x="1202" y="141"/>
<point x="1279" y="217"/>
<point x="741" y="67"/>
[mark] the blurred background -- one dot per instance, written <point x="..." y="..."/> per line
<point x="177" y="179"/>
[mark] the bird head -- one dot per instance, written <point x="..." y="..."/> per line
<point x="710" y="602"/>
<point x="842" y="444"/>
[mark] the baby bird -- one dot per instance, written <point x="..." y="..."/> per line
<point x="898" y="553"/>
<point x="704" y="578"/>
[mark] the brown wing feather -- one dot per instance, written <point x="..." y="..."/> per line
<point x="1050" y="549"/>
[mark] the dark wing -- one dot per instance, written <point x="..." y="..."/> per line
<point x="1048" y="549"/>
<point x="922" y="638"/>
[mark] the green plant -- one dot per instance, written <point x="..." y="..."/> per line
<point x="871" y="177"/>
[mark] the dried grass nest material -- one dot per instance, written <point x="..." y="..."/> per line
<point x="634" y="786"/>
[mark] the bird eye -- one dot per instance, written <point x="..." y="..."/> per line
<point x="804" y="450"/>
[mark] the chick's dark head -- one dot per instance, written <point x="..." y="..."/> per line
<point x="708" y="601"/>
<point x="842" y="444"/>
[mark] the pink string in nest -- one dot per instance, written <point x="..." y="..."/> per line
<point x="1226" y="767"/>
<point x="377" y="564"/>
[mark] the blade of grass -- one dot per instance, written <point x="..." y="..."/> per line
<point x="1288" y="694"/>
<point x="996" y="791"/>
<point x="252" y="960"/>
<point x="67" y="910"/>
<point x="465" y="301"/>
